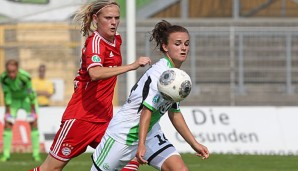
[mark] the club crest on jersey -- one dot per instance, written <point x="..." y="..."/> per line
<point x="156" y="99"/>
<point x="96" y="58"/>
<point x="66" y="150"/>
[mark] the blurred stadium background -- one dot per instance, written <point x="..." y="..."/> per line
<point x="243" y="52"/>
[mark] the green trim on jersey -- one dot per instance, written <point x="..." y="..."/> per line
<point x="174" y="110"/>
<point x="133" y="134"/>
<point x="154" y="110"/>
<point x="105" y="151"/>
<point x="149" y="106"/>
<point x="170" y="64"/>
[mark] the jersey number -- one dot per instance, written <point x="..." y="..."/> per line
<point x="162" y="139"/>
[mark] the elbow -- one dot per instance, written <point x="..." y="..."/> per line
<point x="94" y="74"/>
<point x="93" y="77"/>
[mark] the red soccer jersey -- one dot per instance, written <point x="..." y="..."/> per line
<point x="92" y="100"/>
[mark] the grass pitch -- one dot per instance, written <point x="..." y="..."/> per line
<point x="216" y="162"/>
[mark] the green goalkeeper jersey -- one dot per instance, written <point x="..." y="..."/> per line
<point x="18" y="89"/>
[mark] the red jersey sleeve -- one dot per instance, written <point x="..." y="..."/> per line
<point x="94" y="52"/>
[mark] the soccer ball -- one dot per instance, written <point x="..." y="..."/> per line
<point x="174" y="84"/>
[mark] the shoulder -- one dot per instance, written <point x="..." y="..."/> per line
<point x="166" y="63"/>
<point x="24" y="75"/>
<point x="35" y="80"/>
<point x="3" y="77"/>
<point x="118" y="36"/>
<point x="94" y="43"/>
<point x="4" y="74"/>
<point x="154" y="72"/>
<point x="160" y="66"/>
<point x="93" y="40"/>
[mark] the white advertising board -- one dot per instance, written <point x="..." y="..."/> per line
<point x="236" y="130"/>
<point x="239" y="130"/>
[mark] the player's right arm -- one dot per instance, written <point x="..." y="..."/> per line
<point x="95" y="54"/>
<point x="143" y="129"/>
<point x="6" y="92"/>
<point x="99" y="73"/>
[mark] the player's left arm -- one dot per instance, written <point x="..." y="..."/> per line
<point x="180" y="125"/>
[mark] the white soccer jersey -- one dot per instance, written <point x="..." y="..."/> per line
<point x="124" y="127"/>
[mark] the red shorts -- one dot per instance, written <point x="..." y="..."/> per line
<point x="74" y="136"/>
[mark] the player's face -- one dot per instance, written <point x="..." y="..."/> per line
<point x="178" y="47"/>
<point x="12" y="71"/>
<point x="107" y="22"/>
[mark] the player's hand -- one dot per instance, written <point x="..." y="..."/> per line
<point x="202" y="151"/>
<point x="9" y="118"/>
<point x="141" y="62"/>
<point x="141" y="153"/>
<point x="32" y="117"/>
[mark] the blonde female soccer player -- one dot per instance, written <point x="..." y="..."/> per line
<point x="90" y="108"/>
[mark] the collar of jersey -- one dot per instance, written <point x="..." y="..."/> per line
<point x="170" y="64"/>
<point x="112" y="44"/>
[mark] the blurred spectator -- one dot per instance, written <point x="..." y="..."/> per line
<point x="43" y="87"/>
<point x="18" y="94"/>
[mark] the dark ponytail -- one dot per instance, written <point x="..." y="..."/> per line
<point x="161" y="32"/>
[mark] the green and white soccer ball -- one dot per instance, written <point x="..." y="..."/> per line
<point x="174" y="84"/>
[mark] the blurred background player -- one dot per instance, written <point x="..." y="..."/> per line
<point x="18" y="94"/>
<point x="43" y="87"/>
<point x="90" y="109"/>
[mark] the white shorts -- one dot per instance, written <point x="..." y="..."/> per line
<point x="112" y="155"/>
